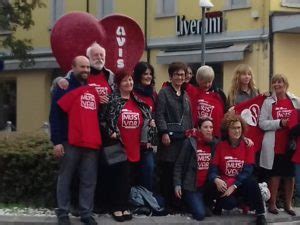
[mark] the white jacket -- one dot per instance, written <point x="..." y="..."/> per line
<point x="269" y="125"/>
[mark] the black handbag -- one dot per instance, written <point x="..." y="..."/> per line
<point x="175" y="130"/>
<point x="114" y="153"/>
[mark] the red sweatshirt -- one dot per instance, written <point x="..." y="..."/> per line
<point x="82" y="105"/>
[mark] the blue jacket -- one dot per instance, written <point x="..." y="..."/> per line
<point x="58" y="118"/>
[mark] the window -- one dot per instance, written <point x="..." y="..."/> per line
<point x="106" y="8"/>
<point x="7" y="102"/>
<point x="237" y="4"/>
<point x="291" y="3"/>
<point x="166" y="8"/>
<point x="58" y="10"/>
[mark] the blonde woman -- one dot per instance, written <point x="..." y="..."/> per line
<point x="242" y="85"/>
<point x="274" y="119"/>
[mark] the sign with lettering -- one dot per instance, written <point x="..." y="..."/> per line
<point x="125" y="42"/>
<point x="214" y="24"/>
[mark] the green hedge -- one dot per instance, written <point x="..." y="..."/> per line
<point x="28" y="169"/>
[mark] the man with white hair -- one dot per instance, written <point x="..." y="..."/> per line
<point x="100" y="76"/>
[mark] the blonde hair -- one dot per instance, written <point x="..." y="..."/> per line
<point x="205" y="73"/>
<point x="236" y="84"/>
<point x="282" y="77"/>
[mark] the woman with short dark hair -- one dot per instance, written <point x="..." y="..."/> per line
<point x="125" y="117"/>
<point x="173" y="118"/>
<point x="191" y="168"/>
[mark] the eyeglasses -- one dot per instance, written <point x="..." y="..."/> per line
<point x="179" y="74"/>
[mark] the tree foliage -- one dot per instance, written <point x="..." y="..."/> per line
<point x="15" y="14"/>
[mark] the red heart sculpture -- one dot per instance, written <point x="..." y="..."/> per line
<point x="125" y="42"/>
<point x="72" y="35"/>
<point x="120" y="35"/>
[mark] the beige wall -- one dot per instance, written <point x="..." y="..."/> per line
<point x="132" y="8"/>
<point x="286" y="59"/>
<point x="258" y="59"/>
<point x="238" y="20"/>
<point x="161" y="71"/>
<point x="33" y="99"/>
<point x="39" y="33"/>
<point x="275" y="5"/>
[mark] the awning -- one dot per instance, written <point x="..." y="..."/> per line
<point x="234" y="52"/>
<point x="288" y="23"/>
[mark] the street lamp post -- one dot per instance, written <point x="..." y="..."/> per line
<point x="204" y="4"/>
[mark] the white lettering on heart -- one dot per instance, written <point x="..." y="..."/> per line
<point x="121" y="40"/>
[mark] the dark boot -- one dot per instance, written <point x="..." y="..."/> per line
<point x="261" y="220"/>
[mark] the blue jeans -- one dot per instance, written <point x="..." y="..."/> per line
<point x="147" y="166"/>
<point x="297" y="179"/>
<point x="195" y="202"/>
<point x="86" y="161"/>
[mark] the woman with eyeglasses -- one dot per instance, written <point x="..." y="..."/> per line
<point x="173" y="118"/>
<point x="231" y="170"/>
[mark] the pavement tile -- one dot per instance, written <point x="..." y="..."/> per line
<point x="230" y="219"/>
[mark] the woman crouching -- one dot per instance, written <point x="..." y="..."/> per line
<point x="231" y="170"/>
<point x="189" y="182"/>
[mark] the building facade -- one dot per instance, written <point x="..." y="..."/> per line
<point x="262" y="33"/>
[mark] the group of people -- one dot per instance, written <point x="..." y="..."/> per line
<point x="188" y="142"/>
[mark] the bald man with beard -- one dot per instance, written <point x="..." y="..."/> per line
<point x="73" y="157"/>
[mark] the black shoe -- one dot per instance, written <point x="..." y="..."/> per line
<point x="217" y="211"/>
<point x="88" y="221"/>
<point x="64" y="220"/>
<point x="208" y="212"/>
<point x="74" y="212"/>
<point x="261" y="220"/>
<point x="290" y="211"/>
<point x="118" y="218"/>
<point x="127" y="215"/>
<point x="273" y="211"/>
<point x="143" y="210"/>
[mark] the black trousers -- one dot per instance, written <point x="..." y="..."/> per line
<point x="248" y="192"/>
<point x="165" y="173"/>
<point x="119" y="186"/>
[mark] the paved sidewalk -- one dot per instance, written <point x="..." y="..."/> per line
<point x="231" y="219"/>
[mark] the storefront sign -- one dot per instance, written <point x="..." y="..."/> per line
<point x="214" y="24"/>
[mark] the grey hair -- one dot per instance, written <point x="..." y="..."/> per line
<point x="94" y="45"/>
<point x="205" y="73"/>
